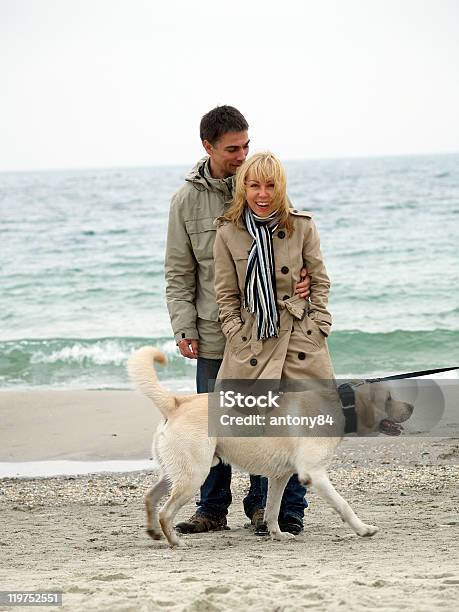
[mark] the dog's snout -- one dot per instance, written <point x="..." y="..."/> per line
<point x="406" y="412"/>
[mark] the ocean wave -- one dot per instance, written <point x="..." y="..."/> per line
<point x="98" y="351"/>
<point x="101" y="362"/>
<point x="99" y="354"/>
<point x="381" y="353"/>
<point x="78" y="362"/>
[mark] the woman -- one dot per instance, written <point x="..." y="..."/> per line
<point x="260" y="248"/>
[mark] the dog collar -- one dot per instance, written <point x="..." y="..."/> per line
<point x="347" y="396"/>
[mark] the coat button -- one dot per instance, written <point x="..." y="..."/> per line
<point x="301" y="356"/>
<point x="281" y="234"/>
<point x="253" y="361"/>
<point x="286" y="297"/>
<point x="244" y="338"/>
<point x="309" y="332"/>
<point x="284" y="270"/>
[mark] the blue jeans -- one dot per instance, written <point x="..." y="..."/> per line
<point x="293" y="501"/>
<point x="216" y="490"/>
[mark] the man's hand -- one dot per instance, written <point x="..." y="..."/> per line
<point x="189" y="348"/>
<point x="302" y="287"/>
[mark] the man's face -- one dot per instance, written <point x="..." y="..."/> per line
<point x="227" y="154"/>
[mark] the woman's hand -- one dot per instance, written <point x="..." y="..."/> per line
<point x="302" y="287"/>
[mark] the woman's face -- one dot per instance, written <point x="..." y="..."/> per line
<point x="259" y="195"/>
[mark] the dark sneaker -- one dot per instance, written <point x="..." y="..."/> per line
<point x="258" y="522"/>
<point x="291" y="524"/>
<point x="199" y="523"/>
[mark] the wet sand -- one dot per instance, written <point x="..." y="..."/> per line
<point x="79" y="425"/>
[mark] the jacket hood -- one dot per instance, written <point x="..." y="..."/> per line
<point x="201" y="178"/>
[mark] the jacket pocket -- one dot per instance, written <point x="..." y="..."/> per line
<point x="312" y="332"/>
<point x="202" y="236"/>
<point x="242" y="336"/>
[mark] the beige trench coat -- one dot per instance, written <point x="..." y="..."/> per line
<point x="300" y="351"/>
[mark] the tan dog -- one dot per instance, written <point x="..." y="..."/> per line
<point x="186" y="453"/>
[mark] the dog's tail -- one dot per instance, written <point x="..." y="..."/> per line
<point x="143" y="375"/>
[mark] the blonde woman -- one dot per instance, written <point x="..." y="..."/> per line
<point x="271" y="332"/>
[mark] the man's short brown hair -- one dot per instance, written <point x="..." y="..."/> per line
<point x="219" y="121"/>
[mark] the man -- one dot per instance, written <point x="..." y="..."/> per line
<point x="189" y="269"/>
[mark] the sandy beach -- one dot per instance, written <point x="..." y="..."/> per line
<point x="84" y="535"/>
<point x="79" y="425"/>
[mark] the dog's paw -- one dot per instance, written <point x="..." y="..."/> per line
<point x="281" y="536"/>
<point x="367" y="531"/>
<point x="178" y="543"/>
<point x="154" y="535"/>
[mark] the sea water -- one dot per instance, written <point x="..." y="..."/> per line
<point x="82" y="268"/>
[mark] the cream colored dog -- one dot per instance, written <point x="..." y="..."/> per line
<point x="186" y="453"/>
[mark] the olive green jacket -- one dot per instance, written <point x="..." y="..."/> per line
<point x="189" y="262"/>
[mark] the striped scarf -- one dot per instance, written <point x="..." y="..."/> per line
<point x="260" y="282"/>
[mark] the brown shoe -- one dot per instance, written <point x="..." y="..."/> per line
<point x="199" y="523"/>
<point x="258" y="522"/>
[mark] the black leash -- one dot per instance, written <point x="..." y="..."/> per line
<point x="412" y="374"/>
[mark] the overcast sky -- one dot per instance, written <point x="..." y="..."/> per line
<point x="97" y="83"/>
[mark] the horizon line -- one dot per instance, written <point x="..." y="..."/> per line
<point x="176" y="165"/>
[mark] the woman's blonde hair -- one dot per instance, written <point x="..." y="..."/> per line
<point x="261" y="167"/>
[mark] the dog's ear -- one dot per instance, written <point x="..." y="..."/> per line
<point x="365" y="408"/>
